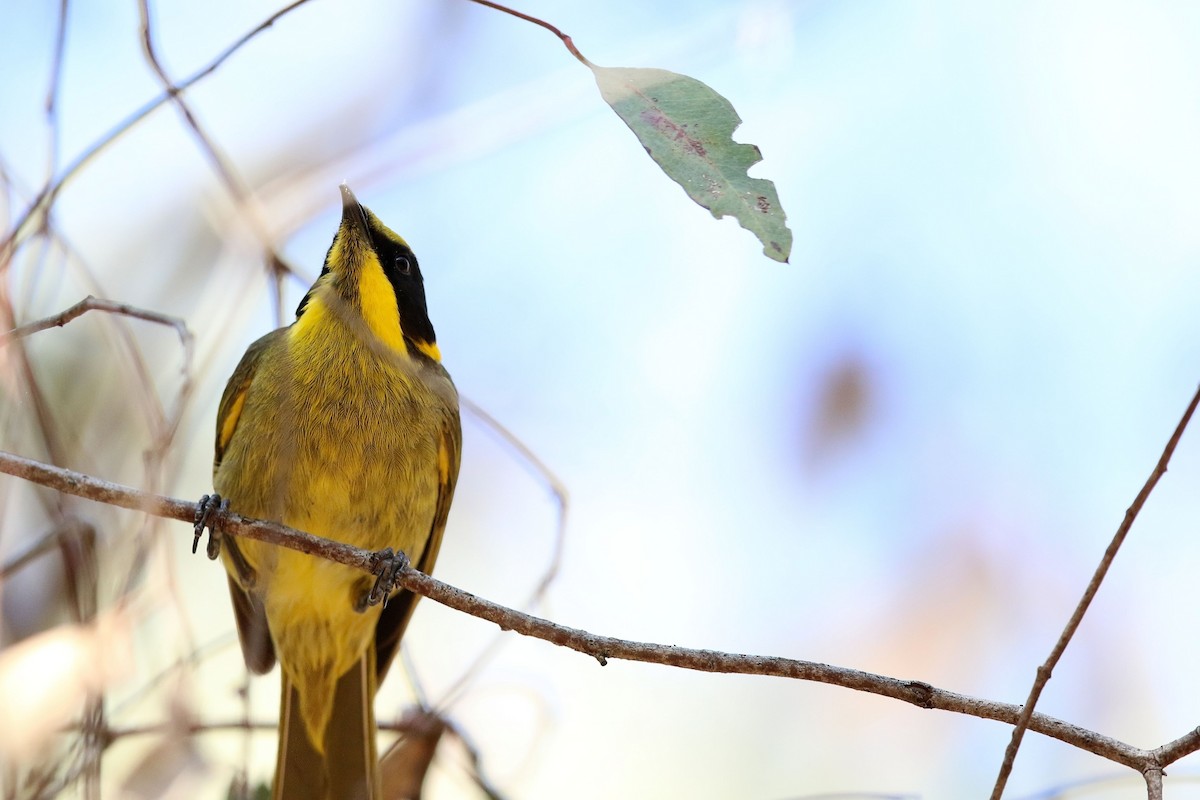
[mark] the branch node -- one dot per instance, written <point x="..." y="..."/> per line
<point x="922" y="694"/>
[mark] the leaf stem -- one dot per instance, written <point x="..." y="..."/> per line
<point x="566" y="40"/>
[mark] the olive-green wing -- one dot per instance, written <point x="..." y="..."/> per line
<point x="233" y="400"/>
<point x="399" y="609"/>
<point x="253" y="633"/>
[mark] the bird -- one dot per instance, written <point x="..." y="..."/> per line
<point x="344" y="424"/>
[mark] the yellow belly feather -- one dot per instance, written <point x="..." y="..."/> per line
<point x="319" y="448"/>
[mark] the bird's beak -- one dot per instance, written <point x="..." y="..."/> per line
<point x="353" y="215"/>
<point x="349" y="201"/>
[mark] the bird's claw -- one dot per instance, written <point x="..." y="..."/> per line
<point x="387" y="566"/>
<point x="208" y="504"/>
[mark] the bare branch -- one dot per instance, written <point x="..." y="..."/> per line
<point x="56" y="63"/>
<point x="557" y="488"/>
<point x="1154" y="783"/>
<point x="475" y="763"/>
<point x="562" y="501"/>
<point x="1171" y="752"/>
<point x="599" y="647"/>
<point x="92" y="303"/>
<point x="164" y="426"/>
<point x="49" y="542"/>
<point x="49" y="193"/>
<point x="1044" y="672"/>
<point x="219" y="160"/>
<point x="403" y="726"/>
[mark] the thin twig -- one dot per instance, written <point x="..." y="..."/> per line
<point x="562" y="500"/>
<point x="46" y="197"/>
<point x="556" y="485"/>
<point x="566" y="40"/>
<point x="166" y="426"/>
<point x="55" y="83"/>
<point x="221" y="162"/>
<point x="602" y="648"/>
<point x="49" y="542"/>
<point x="112" y="734"/>
<point x="475" y="761"/>
<point x="35" y="399"/>
<point x="1044" y="672"/>
<point x="91" y="303"/>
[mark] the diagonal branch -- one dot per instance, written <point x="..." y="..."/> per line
<point x="220" y="161"/>
<point x="92" y="303"/>
<point x="600" y="647"/>
<point x="1174" y="750"/>
<point x="558" y="490"/>
<point x="49" y="193"/>
<point x="1046" y="669"/>
<point x="163" y="427"/>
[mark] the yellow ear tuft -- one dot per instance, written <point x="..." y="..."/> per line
<point x="430" y="349"/>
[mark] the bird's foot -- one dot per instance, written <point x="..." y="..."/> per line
<point x="208" y="504"/>
<point x="387" y="565"/>
<point x="214" y="504"/>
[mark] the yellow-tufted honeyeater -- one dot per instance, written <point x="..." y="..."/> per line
<point x="343" y="424"/>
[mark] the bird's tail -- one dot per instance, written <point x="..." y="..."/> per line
<point x="346" y="766"/>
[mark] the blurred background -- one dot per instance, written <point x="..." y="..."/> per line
<point x="903" y="452"/>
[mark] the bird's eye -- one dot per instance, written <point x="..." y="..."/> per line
<point x="403" y="265"/>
